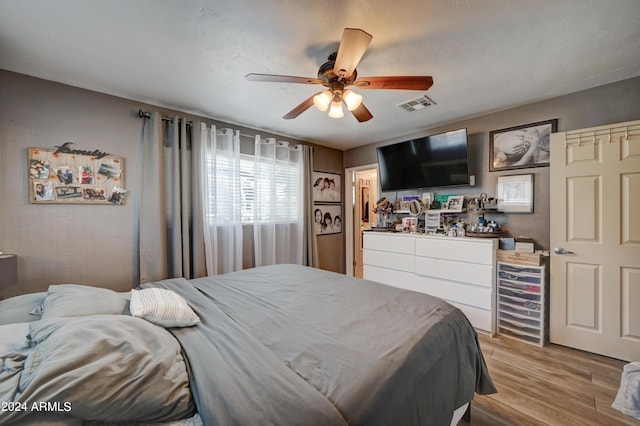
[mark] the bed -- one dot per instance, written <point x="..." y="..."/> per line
<point x="280" y="345"/>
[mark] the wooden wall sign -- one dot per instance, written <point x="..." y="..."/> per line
<point x="75" y="176"/>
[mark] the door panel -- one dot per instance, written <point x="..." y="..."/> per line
<point x="584" y="287"/>
<point x="584" y="204"/>
<point x="630" y="312"/>
<point x="630" y="208"/>
<point x="580" y="153"/>
<point x="630" y="146"/>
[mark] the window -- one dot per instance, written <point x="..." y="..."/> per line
<point x="254" y="190"/>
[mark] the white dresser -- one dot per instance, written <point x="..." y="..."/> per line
<point x="458" y="270"/>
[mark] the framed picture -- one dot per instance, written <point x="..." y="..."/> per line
<point x="455" y="202"/>
<point x="326" y="187"/>
<point x="522" y="146"/>
<point x="327" y="219"/>
<point x="65" y="176"/>
<point x="515" y="193"/>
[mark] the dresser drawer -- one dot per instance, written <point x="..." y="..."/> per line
<point x="387" y="276"/>
<point x="479" y="297"/>
<point x="472" y="273"/>
<point x="396" y="261"/>
<point x="479" y="318"/>
<point x="459" y="250"/>
<point x="393" y="243"/>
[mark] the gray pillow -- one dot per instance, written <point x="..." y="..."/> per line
<point x="18" y="308"/>
<point x="74" y="300"/>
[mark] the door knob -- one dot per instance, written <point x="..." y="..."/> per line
<point x="560" y="250"/>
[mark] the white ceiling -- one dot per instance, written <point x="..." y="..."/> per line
<point x="192" y="55"/>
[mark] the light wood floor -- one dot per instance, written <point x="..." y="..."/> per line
<point x="553" y="385"/>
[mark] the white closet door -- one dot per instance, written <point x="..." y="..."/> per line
<point x="595" y="219"/>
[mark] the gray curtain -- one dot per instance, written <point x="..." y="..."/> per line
<point x="170" y="222"/>
<point x="310" y="244"/>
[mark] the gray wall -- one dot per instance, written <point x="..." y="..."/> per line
<point x="93" y="244"/>
<point x="602" y="105"/>
<point x="88" y="244"/>
<point x="331" y="246"/>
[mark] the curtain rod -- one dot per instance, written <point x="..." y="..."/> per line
<point x="146" y="115"/>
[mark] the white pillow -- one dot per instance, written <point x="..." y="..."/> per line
<point x="162" y="307"/>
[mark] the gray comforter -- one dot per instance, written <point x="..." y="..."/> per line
<point x="289" y="345"/>
<point x="279" y="345"/>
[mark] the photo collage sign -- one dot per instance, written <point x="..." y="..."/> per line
<point x="74" y="176"/>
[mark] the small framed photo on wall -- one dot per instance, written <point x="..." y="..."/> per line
<point x="326" y="187"/>
<point x="515" y="193"/>
<point x="327" y="218"/>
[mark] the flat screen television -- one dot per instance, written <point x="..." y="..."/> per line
<point x="436" y="160"/>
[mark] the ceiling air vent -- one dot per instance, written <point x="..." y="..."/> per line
<point x="415" y="104"/>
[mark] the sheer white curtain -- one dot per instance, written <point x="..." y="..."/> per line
<point x="278" y="221"/>
<point x="257" y="188"/>
<point x="221" y="195"/>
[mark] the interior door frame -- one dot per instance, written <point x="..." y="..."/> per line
<point x="349" y="214"/>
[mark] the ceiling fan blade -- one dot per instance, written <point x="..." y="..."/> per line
<point x="352" y="47"/>
<point x="272" y="78"/>
<point x="305" y="105"/>
<point x="362" y="114"/>
<point x="398" y="83"/>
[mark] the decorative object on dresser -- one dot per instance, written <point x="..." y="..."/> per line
<point x="525" y="244"/>
<point x="523" y="304"/>
<point x="458" y="270"/>
<point x="455" y="203"/>
<point x="480" y="227"/>
<point x="521" y="146"/>
<point x="431" y="221"/>
<point x="384" y="210"/>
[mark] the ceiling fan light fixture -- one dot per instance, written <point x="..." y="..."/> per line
<point x="336" y="110"/>
<point x="339" y="72"/>
<point x="322" y="100"/>
<point x="352" y="99"/>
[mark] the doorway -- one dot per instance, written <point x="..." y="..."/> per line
<point x="361" y="187"/>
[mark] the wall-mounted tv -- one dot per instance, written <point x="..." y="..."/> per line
<point x="436" y="160"/>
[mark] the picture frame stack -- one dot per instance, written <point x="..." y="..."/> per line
<point x="327" y="202"/>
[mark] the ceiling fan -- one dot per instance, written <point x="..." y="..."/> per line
<point x="338" y="73"/>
